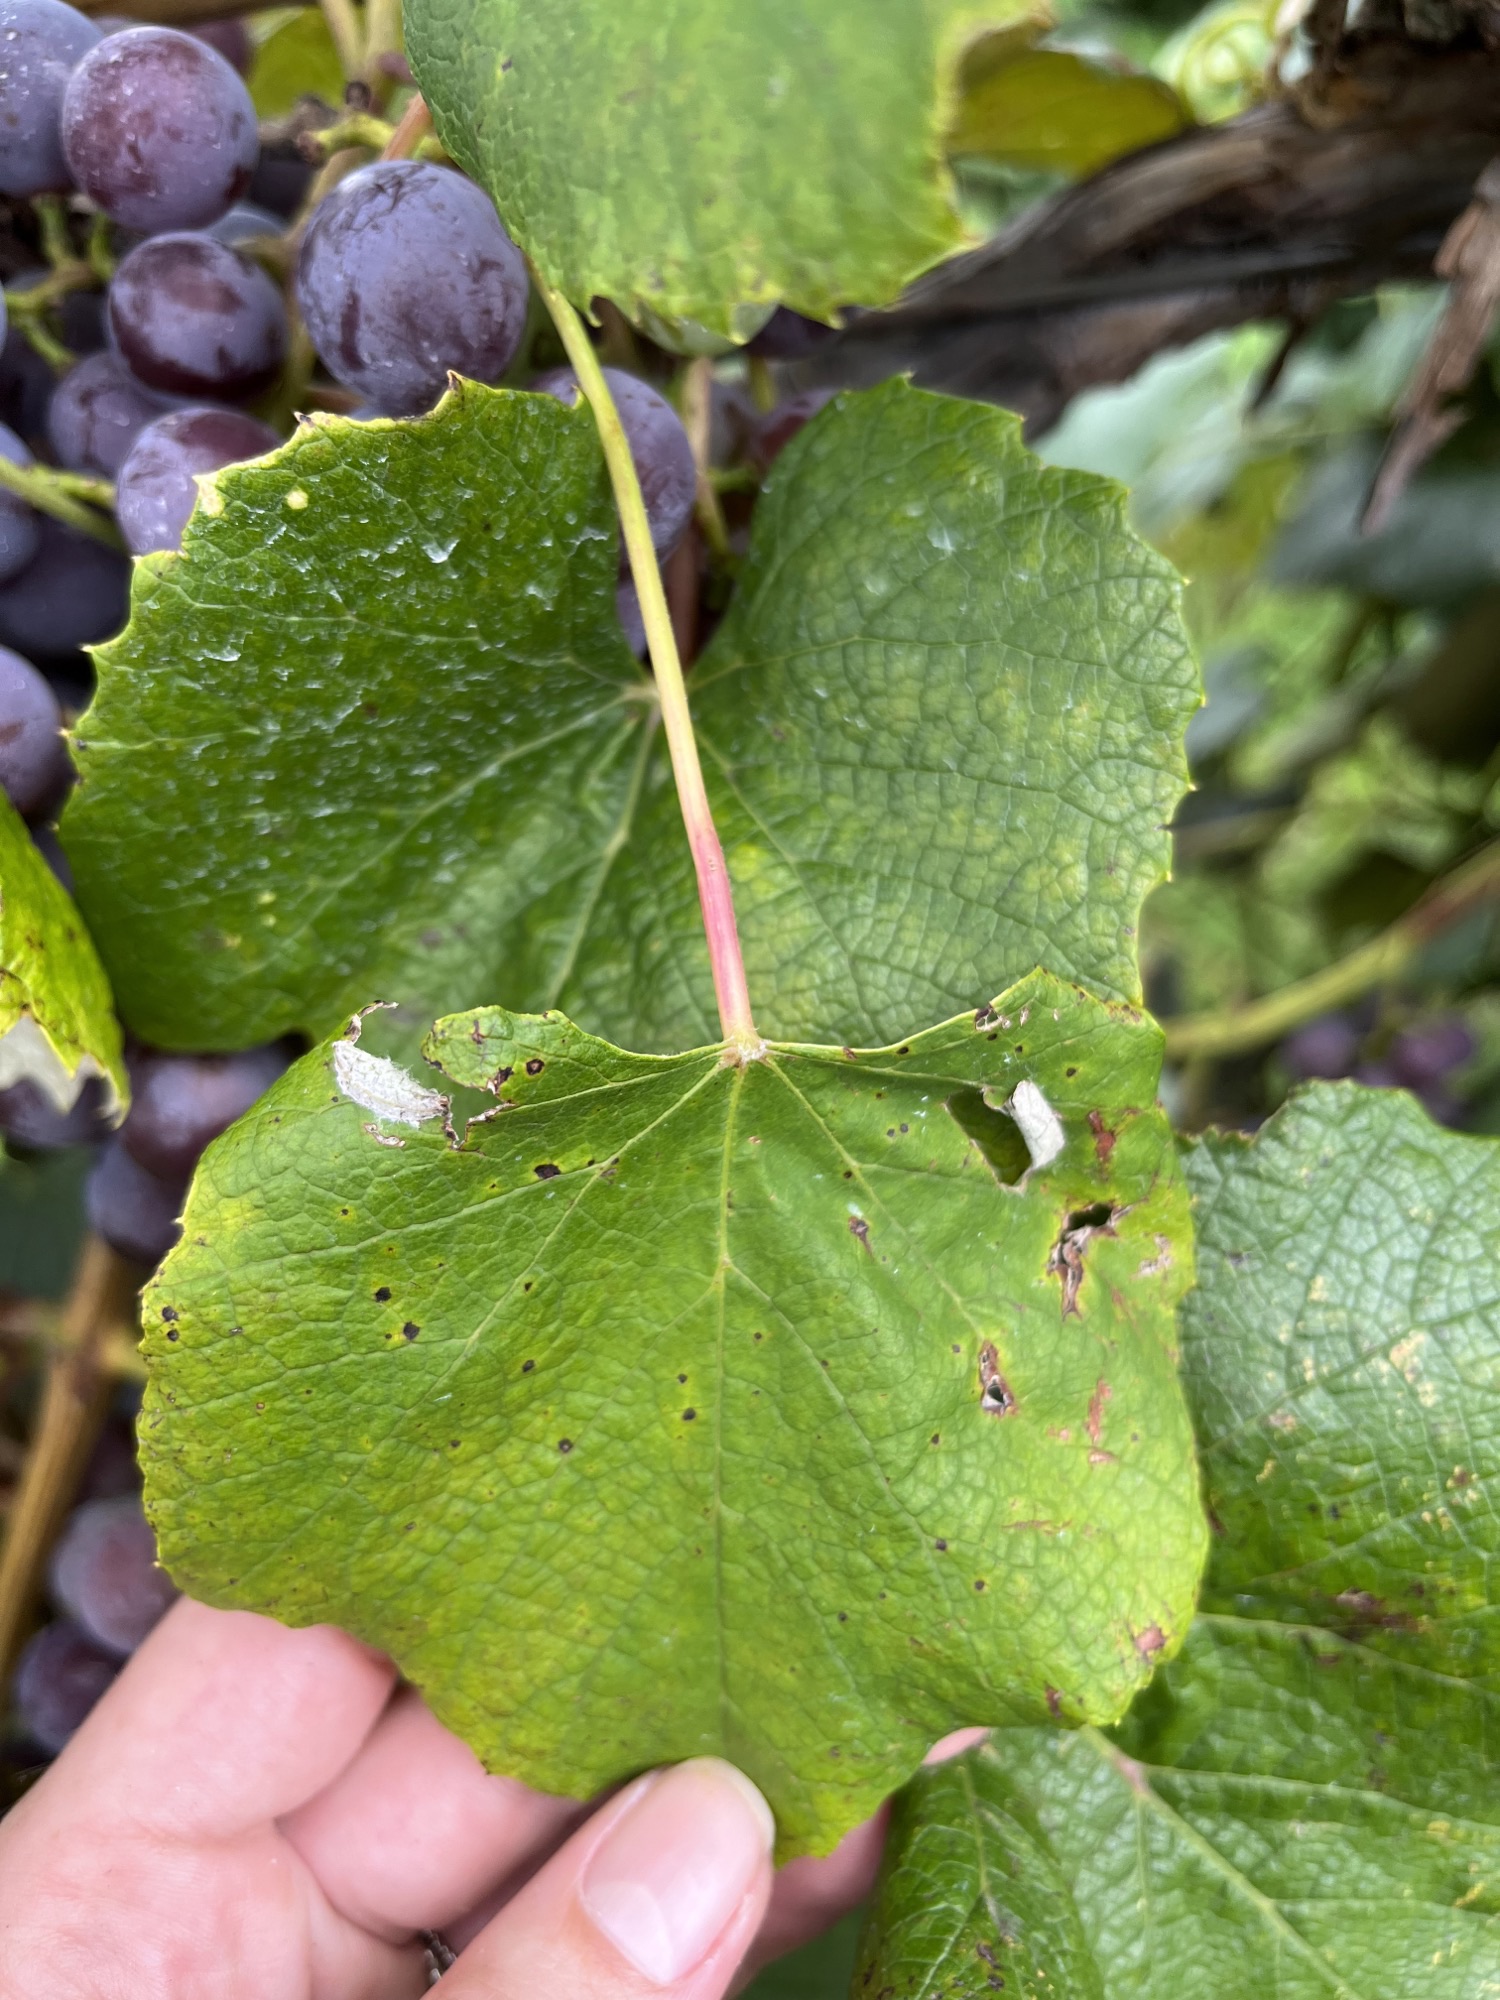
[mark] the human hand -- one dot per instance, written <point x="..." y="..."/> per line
<point x="262" y="1814"/>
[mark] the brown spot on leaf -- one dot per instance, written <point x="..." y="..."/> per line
<point x="169" y="1312"/>
<point x="1149" y="1642"/>
<point x="546" y="1171"/>
<point x="1104" y="1138"/>
<point x="382" y="1293"/>
<point x="1054" y="1703"/>
<point x="1094" y="1420"/>
<point x="860" y="1228"/>
<point x="410" y="1330"/>
<point x="535" y="1066"/>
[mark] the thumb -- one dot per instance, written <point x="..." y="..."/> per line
<point x="659" y="1894"/>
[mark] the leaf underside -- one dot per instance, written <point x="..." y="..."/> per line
<point x="1306" y="1802"/>
<point x="57" y="1024"/>
<point x="670" y="1356"/>
<point x="941" y="726"/>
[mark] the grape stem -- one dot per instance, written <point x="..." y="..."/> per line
<point x="95" y="1320"/>
<point x="697" y="421"/>
<point x="74" y="498"/>
<point x="715" y="894"/>
<point x="348" y="39"/>
<point x="1232" y="1030"/>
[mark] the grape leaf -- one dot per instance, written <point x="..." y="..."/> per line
<point x="296" y="60"/>
<point x="57" y="1026"/>
<point x="1306" y="1802"/>
<point x="971" y="1900"/>
<point x="670" y="1356"/>
<point x="691" y="159"/>
<point x="1061" y="108"/>
<point x="942" y="727"/>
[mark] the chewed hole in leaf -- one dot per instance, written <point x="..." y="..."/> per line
<point x="996" y="1135"/>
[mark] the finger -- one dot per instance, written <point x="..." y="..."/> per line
<point x="414" y="1832"/>
<point x="659" y="1894"/>
<point x="221" y="1721"/>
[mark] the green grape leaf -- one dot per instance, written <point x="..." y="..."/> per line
<point x="670" y="1355"/>
<point x="1305" y="1804"/>
<point x="297" y="59"/>
<point x="701" y="161"/>
<point x="57" y="1025"/>
<point x="1062" y="109"/>
<point x="941" y="723"/>
<point x="971" y="1900"/>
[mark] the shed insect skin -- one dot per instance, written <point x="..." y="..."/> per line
<point x="995" y="1392"/>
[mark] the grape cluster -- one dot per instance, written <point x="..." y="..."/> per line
<point x="1426" y="1055"/>
<point x="105" y="1589"/>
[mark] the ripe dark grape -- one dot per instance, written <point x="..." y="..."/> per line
<point x="232" y="40"/>
<point x="1327" y="1047"/>
<point x="30" y="1118"/>
<point x="157" y="487"/>
<point x="404" y="274"/>
<point x="105" y="1577"/>
<point x="191" y="317"/>
<point x="34" y="768"/>
<point x="775" y="431"/>
<point x="72" y="593"/>
<point x="179" y="1103"/>
<point x="1427" y="1052"/>
<point x="787" y="336"/>
<point x="60" y="1675"/>
<point x="135" y="1212"/>
<point x="158" y="130"/>
<point x="41" y="44"/>
<point x="658" y="444"/>
<point x="243" y="223"/>
<point x="113" y="1469"/>
<point x="628" y="611"/>
<point x="98" y="410"/>
<point x="20" y="525"/>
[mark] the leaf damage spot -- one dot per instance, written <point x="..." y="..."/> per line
<point x="547" y="1171"/>
<point x="995" y="1393"/>
<point x="860" y="1229"/>
<point x="1078" y="1232"/>
<point x="1038" y="1124"/>
<point x="1093" y="1423"/>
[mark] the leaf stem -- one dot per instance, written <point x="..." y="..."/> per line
<point x="348" y="38"/>
<point x="1230" y="1030"/>
<point x="697" y="419"/>
<point x="715" y="894"/>
<point x="75" y="1401"/>
<point x="70" y="497"/>
<point x="410" y="129"/>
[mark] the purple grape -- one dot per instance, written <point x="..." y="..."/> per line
<point x="30" y="1118"/>
<point x="628" y="611"/>
<point x="280" y="182"/>
<point x="776" y="429"/>
<point x="104" y="1574"/>
<point x="232" y="40"/>
<point x="1327" y="1047"/>
<point x="20" y="525"/>
<point x="158" y="130"/>
<point x="98" y="409"/>
<point x="59" y="1677"/>
<point x="157" y="488"/>
<point x="404" y="274"/>
<point x="243" y="223"/>
<point x="41" y="44"/>
<point x="26" y="384"/>
<point x="1424" y="1054"/>
<point x="34" y="768"/>
<point x="658" y="444"/>
<point x="787" y="336"/>
<point x="73" y="593"/>
<point x="191" y="317"/>
<point x="135" y="1211"/>
<point x="113" y="1469"/>
<point x="179" y="1103"/>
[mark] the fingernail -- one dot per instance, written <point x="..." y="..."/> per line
<point x="672" y="1873"/>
